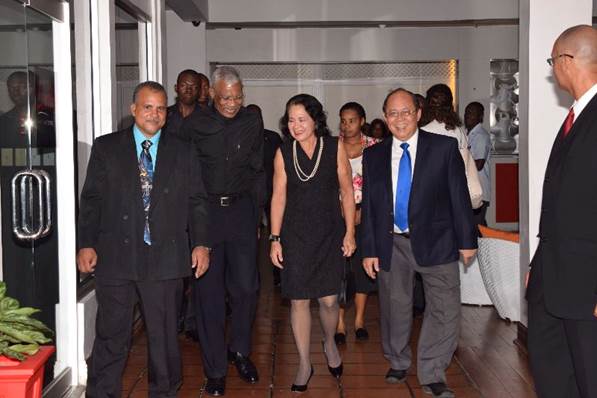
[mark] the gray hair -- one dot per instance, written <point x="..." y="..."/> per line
<point x="153" y="86"/>
<point x="226" y="73"/>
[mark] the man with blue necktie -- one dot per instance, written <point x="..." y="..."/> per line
<point x="142" y="204"/>
<point x="416" y="217"/>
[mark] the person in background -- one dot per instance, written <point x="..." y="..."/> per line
<point x="352" y="119"/>
<point x="203" y="98"/>
<point x="271" y="143"/>
<point x="439" y="117"/>
<point x="309" y="239"/>
<point x="480" y="147"/>
<point x="379" y="129"/>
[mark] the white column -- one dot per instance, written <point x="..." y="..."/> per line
<point x="66" y="309"/>
<point x="542" y="107"/>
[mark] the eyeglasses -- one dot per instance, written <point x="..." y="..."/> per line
<point x="403" y="113"/>
<point x="551" y="61"/>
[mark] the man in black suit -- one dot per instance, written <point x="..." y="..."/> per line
<point x="229" y="141"/>
<point x="134" y="232"/>
<point x="562" y="288"/>
<point x="416" y="217"/>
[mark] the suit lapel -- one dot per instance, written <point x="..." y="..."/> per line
<point x="165" y="160"/>
<point x="386" y="169"/>
<point x="422" y="149"/>
<point x="130" y="167"/>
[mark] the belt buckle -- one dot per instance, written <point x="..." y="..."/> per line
<point x="225" y="201"/>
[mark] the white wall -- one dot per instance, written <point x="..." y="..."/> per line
<point x="356" y="10"/>
<point x="185" y="49"/>
<point x="472" y="47"/>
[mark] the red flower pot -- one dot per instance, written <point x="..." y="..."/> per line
<point x="23" y="379"/>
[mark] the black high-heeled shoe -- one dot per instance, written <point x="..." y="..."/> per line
<point x="302" y="387"/>
<point x="337" y="371"/>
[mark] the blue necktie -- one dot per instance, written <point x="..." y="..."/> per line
<point x="403" y="189"/>
<point x="146" y="174"/>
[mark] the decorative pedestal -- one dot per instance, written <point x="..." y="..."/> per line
<point x="24" y="379"/>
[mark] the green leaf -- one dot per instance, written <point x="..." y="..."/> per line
<point x="12" y="354"/>
<point x="29" y="349"/>
<point x="21" y="311"/>
<point x="2" y="289"/>
<point x="8" y="303"/>
<point x="4" y="338"/>
<point x="26" y="336"/>
<point x="26" y="323"/>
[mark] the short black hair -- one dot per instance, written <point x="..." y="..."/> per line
<point x="191" y="72"/>
<point x="313" y="108"/>
<point x="477" y="106"/>
<point x="153" y="86"/>
<point x="400" y="90"/>
<point x="355" y="106"/>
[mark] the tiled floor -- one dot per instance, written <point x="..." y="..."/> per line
<point x="487" y="363"/>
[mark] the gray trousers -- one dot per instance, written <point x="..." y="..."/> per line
<point x="441" y="322"/>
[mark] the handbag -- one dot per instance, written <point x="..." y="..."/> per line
<point x="472" y="179"/>
<point x="348" y="286"/>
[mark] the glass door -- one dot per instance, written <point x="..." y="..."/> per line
<point x="29" y="261"/>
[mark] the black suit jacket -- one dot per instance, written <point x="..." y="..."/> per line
<point x="111" y="217"/>
<point x="439" y="214"/>
<point x="567" y="229"/>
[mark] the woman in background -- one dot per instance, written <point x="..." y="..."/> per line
<point x="352" y="120"/>
<point x="310" y="240"/>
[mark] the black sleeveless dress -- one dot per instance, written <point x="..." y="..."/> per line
<point x="313" y="227"/>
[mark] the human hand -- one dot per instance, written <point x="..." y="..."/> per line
<point x="200" y="260"/>
<point x="348" y="245"/>
<point x="467" y="255"/>
<point x="371" y="266"/>
<point x="526" y="281"/>
<point x="86" y="260"/>
<point x="275" y="254"/>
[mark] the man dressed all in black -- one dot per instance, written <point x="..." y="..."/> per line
<point x="229" y="141"/>
<point x="187" y="93"/>
<point x="142" y="203"/>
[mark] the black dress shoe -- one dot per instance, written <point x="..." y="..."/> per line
<point x="395" y="376"/>
<point x="337" y="371"/>
<point x="245" y="367"/>
<point x="302" y="387"/>
<point x="438" y="390"/>
<point x="361" y="334"/>
<point x="340" y="338"/>
<point x="216" y="386"/>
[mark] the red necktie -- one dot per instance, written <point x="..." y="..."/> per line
<point x="568" y="122"/>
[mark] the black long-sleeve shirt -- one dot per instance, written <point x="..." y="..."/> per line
<point x="230" y="151"/>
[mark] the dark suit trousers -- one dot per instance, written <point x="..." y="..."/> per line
<point x="562" y="352"/>
<point x="116" y="300"/>
<point x="232" y="270"/>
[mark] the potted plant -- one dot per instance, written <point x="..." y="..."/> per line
<point x="21" y="356"/>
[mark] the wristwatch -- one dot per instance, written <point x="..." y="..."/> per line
<point x="274" y="238"/>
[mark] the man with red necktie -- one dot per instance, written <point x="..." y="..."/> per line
<point x="562" y="288"/>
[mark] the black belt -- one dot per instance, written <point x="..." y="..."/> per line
<point x="225" y="200"/>
<point x="403" y="234"/>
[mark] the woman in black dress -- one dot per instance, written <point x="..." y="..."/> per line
<point x="310" y="172"/>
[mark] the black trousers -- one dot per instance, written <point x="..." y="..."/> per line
<point x="233" y="270"/>
<point x="562" y="352"/>
<point x="116" y="300"/>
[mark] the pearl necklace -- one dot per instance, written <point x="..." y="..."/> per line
<point x="304" y="177"/>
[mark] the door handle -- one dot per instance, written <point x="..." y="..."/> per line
<point x="31" y="219"/>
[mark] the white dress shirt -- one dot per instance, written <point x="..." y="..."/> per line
<point x="396" y="155"/>
<point x="583" y="101"/>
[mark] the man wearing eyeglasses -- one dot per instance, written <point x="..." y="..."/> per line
<point x="562" y="287"/>
<point x="229" y="141"/>
<point x="416" y="217"/>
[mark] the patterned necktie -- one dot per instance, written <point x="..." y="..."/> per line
<point x="403" y="189"/>
<point x="569" y="122"/>
<point x="146" y="174"/>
